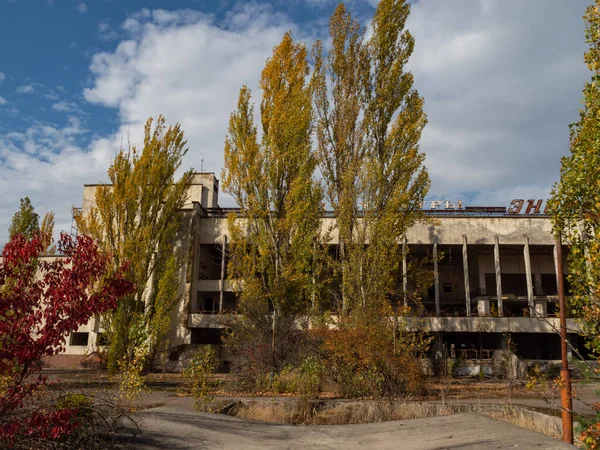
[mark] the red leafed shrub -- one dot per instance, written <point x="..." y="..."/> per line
<point x="42" y="302"/>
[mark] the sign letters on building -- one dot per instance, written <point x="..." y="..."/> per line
<point x="442" y="204"/>
<point x="533" y="206"/>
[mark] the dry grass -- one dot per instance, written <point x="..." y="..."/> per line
<point x="356" y="412"/>
<point x="532" y="420"/>
<point x="468" y="388"/>
<point x="342" y="413"/>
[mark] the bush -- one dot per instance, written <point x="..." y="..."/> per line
<point x="250" y="338"/>
<point x="367" y="358"/>
<point x="196" y="376"/>
<point x="41" y="303"/>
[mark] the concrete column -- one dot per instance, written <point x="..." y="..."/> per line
<point x="466" y="270"/>
<point x="404" y="273"/>
<point x="94" y="325"/>
<point x="436" y="276"/>
<point x="498" y="270"/>
<point x="222" y="283"/>
<point x="527" y="259"/>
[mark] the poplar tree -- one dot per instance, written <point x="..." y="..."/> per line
<point x="369" y="122"/>
<point x="25" y="221"/>
<point x="575" y="202"/>
<point x="338" y="85"/>
<point x="47" y="229"/>
<point x="137" y="219"/>
<point x="273" y="246"/>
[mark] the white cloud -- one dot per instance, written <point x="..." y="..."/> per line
<point x="190" y="71"/>
<point x="82" y="8"/>
<point x="65" y="106"/>
<point x="2" y="77"/>
<point x="3" y="101"/>
<point x="501" y="83"/>
<point x="51" y="95"/>
<point x="185" y="67"/>
<point x="106" y="32"/>
<point x="47" y="164"/>
<point x="25" y="89"/>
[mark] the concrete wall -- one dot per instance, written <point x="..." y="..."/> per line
<point x="204" y="189"/>
<point x="449" y="230"/>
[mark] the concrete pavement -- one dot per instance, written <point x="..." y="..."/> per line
<point x="173" y="427"/>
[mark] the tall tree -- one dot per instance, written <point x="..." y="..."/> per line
<point x="137" y="218"/>
<point x="338" y="85"/>
<point x="25" y="221"/>
<point x="47" y="230"/>
<point x="575" y="202"/>
<point x="369" y="122"/>
<point x="274" y="247"/>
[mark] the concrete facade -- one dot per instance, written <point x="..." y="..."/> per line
<point x="495" y="276"/>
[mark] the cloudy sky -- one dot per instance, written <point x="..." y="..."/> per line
<point x="501" y="79"/>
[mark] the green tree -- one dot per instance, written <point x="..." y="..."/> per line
<point x="137" y="218"/>
<point x="575" y="202"/>
<point x="338" y="85"/>
<point x="273" y="249"/>
<point x="25" y="221"/>
<point x="369" y="122"/>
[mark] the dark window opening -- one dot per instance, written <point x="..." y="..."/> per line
<point x="514" y="283"/>
<point x="537" y="345"/>
<point x="79" y="339"/>
<point x="431" y="292"/>
<point x="208" y="304"/>
<point x="204" y="336"/>
<point x="447" y="287"/>
<point x="549" y="284"/>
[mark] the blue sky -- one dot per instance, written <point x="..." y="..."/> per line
<point x="501" y="81"/>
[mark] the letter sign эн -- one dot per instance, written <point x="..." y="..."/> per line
<point x="533" y="206"/>
<point x="515" y="206"/>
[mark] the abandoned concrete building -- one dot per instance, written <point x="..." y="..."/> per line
<point x="497" y="265"/>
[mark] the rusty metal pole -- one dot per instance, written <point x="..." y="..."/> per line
<point x="565" y="394"/>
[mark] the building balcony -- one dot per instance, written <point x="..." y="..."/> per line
<point x="214" y="285"/>
<point x="205" y="320"/>
<point x="489" y="324"/>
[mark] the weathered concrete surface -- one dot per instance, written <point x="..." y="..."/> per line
<point x="449" y="230"/>
<point x="170" y="427"/>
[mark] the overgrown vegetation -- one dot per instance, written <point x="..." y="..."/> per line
<point x="196" y="376"/>
<point x="575" y="203"/>
<point x="40" y="303"/>
<point x="26" y="223"/>
<point x="368" y="120"/>
<point x="137" y="218"/>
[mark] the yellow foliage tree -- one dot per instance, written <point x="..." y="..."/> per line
<point x="275" y="246"/>
<point x="137" y="219"/>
